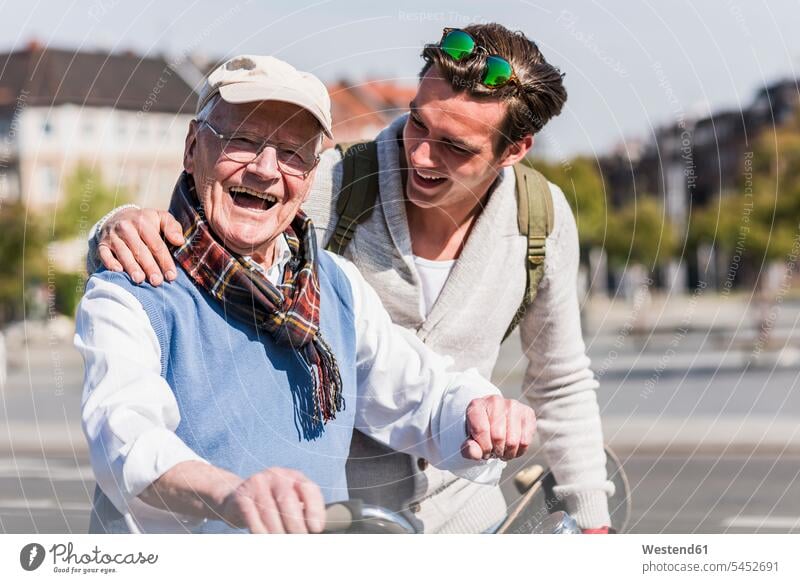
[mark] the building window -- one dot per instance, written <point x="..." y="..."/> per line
<point x="9" y="185"/>
<point x="143" y="129"/>
<point x="48" y="185"/>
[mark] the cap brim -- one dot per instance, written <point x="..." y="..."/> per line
<point x="250" y="92"/>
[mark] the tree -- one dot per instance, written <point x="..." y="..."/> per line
<point x="86" y="199"/>
<point x="583" y="187"/>
<point x="776" y="192"/>
<point x="760" y="221"/>
<point x="640" y="233"/>
<point x="23" y="261"/>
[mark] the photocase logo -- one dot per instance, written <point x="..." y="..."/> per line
<point x="31" y="556"/>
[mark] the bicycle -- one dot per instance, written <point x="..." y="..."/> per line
<point x="538" y="510"/>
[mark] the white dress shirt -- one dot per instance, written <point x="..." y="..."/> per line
<point x="274" y="273"/>
<point x="409" y="397"/>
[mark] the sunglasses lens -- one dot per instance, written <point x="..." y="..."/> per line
<point x="458" y="44"/>
<point x="498" y="71"/>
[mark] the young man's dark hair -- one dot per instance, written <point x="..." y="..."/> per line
<point x="532" y="102"/>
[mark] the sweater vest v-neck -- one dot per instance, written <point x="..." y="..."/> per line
<point x="245" y="401"/>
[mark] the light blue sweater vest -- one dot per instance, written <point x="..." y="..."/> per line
<point x="245" y="401"/>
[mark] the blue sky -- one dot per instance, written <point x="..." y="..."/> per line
<point x="630" y="66"/>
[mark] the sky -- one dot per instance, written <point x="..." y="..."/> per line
<point x="630" y="66"/>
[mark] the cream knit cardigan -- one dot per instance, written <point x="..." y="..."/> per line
<point x="467" y="322"/>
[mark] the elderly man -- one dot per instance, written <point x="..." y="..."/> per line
<point x="227" y="399"/>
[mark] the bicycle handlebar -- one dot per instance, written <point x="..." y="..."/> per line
<point x="355" y="516"/>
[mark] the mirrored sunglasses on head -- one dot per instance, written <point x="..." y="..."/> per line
<point x="459" y="45"/>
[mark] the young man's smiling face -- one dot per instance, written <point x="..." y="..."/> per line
<point x="249" y="205"/>
<point x="450" y="143"/>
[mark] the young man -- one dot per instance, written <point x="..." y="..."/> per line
<point x="227" y="400"/>
<point x="442" y="248"/>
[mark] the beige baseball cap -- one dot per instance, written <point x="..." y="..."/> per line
<point x="249" y="78"/>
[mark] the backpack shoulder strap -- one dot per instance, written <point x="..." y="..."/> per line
<point x="535" y="221"/>
<point x="358" y="194"/>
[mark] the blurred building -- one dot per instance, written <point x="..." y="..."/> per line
<point x="693" y="161"/>
<point x="696" y="159"/>
<point x="122" y="114"/>
<point x="125" y="115"/>
<point x="361" y="110"/>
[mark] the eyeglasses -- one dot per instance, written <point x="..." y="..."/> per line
<point x="459" y="45"/>
<point x="244" y="149"/>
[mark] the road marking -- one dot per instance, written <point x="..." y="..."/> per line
<point x="777" y="522"/>
<point x="60" y="470"/>
<point x="42" y="504"/>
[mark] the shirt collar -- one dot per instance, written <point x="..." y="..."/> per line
<point x="282" y="256"/>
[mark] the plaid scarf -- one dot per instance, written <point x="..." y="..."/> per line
<point x="289" y="312"/>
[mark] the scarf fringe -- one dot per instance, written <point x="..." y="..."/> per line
<point x="327" y="384"/>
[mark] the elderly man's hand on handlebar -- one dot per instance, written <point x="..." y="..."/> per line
<point x="498" y="427"/>
<point x="276" y="501"/>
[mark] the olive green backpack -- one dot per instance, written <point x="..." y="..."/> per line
<point x="359" y="194"/>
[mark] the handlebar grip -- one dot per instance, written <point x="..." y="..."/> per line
<point x="527" y="477"/>
<point x="340" y="516"/>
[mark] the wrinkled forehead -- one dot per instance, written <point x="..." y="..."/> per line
<point x="266" y="118"/>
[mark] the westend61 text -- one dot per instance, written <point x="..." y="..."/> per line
<point x="671" y="550"/>
<point x="65" y="554"/>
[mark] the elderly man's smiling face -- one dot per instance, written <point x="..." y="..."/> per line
<point x="248" y="205"/>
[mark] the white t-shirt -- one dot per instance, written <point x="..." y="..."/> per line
<point x="432" y="275"/>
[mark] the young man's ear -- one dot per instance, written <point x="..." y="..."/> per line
<point x="517" y="151"/>
<point x="190" y="146"/>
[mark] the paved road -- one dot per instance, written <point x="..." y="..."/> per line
<point x="709" y="493"/>
<point x="708" y="448"/>
<point x="47" y="495"/>
<point x="671" y="494"/>
<point x="713" y="494"/>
